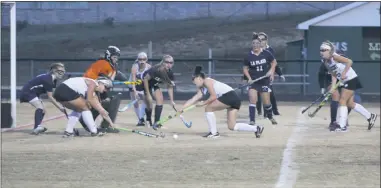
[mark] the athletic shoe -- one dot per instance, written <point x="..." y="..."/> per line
<point x="252" y="123"/>
<point x="97" y="134"/>
<point x="276" y="113"/>
<point x="68" y="135"/>
<point x="39" y="130"/>
<point x="141" y="122"/>
<point x="341" y="129"/>
<point x="111" y="130"/>
<point x="273" y="121"/>
<point x="333" y="126"/>
<point x="210" y="135"/>
<point x="156" y="126"/>
<point x="372" y="120"/>
<point x="259" y="131"/>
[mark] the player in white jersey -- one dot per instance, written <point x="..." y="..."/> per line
<point x="221" y="97"/>
<point x="80" y="94"/>
<point x="137" y="91"/>
<point x="341" y="69"/>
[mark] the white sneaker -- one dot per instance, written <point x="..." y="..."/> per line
<point x="39" y="129"/>
<point x="210" y="135"/>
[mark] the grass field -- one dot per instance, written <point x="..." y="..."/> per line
<point x="299" y="152"/>
<point x="181" y="38"/>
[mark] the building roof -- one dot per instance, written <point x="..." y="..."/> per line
<point x="325" y="17"/>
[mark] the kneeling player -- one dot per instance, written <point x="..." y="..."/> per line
<point x="152" y="79"/>
<point x="80" y="95"/>
<point x="221" y="97"/>
<point x="341" y="69"/>
<point x="42" y="84"/>
<point x="259" y="63"/>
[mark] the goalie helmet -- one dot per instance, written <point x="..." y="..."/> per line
<point x="112" y="51"/>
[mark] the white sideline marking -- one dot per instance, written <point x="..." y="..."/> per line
<point x="289" y="169"/>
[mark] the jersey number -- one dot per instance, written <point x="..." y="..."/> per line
<point x="259" y="69"/>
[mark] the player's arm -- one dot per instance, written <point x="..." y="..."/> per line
<point x="209" y="86"/>
<point x="133" y="76"/>
<point x="146" y="80"/>
<point x="346" y="61"/>
<point x="274" y="63"/>
<point x="171" y="86"/>
<point x="278" y="70"/>
<point x="246" y="65"/>
<point x="92" y="98"/>
<point x="120" y="76"/>
<point x="193" y="100"/>
<point x="49" y="91"/>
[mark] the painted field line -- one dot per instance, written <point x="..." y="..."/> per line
<point x="289" y="169"/>
<point x="31" y="124"/>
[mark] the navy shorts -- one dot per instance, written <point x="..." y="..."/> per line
<point x="26" y="96"/>
<point x="261" y="85"/>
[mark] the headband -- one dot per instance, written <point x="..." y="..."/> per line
<point x="325" y="46"/>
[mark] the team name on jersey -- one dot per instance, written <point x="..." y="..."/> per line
<point x="258" y="62"/>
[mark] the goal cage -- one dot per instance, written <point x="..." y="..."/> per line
<point x="13" y="88"/>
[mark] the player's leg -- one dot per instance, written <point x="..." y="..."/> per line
<point x="211" y="118"/>
<point x="273" y="101"/>
<point x="253" y="98"/>
<point x="259" y="104"/>
<point x="333" y="107"/>
<point x="39" y="114"/>
<point x="142" y="108"/>
<point x="148" y="109"/>
<point x="371" y="118"/>
<point x="159" y="104"/>
<point x="136" y="105"/>
<point x="265" y="95"/>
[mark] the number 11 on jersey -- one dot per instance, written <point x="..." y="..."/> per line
<point x="259" y="69"/>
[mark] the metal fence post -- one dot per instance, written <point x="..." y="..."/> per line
<point x="210" y="63"/>
<point x="304" y="78"/>
<point x="32" y="68"/>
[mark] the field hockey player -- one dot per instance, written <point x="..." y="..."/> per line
<point x="153" y="78"/>
<point x="80" y="94"/>
<point x="222" y="97"/>
<point x="256" y="64"/>
<point x="42" y="84"/>
<point x="341" y="69"/>
<point x="137" y="91"/>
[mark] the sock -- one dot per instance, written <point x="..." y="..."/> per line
<point x="38" y="117"/>
<point x="252" y="112"/>
<point x="361" y="110"/>
<point x="245" y="127"/>
<point x="73" y="119"/>
<point x="342" y="114"/>
<point x="259" y="103"/>
<point x="87" y="117"/>
<point x="148" y="114"/>
<point x="273" y="101"/>
<point x="334" y="106"/>
<point x="142" y="108"/>
<point x="158" y="110"/>
<point x="137" y="111"/>
<point x="268" y="111"/>
<point x="211" y="118"/>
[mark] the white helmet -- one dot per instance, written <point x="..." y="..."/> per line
<point x="105" y="81"/>
<point x="142" y="55"/>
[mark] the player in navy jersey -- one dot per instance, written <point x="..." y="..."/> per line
<point x="259" y="63"/>
<point x="42" y="84"/>
<point x="325" y="81"/>
<point x="159" y="74"/>
<point x="278" y="70"/>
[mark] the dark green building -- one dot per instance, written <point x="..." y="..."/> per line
<point x="355" y="30"/>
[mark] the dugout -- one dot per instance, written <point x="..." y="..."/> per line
<point x="355" y="30"/>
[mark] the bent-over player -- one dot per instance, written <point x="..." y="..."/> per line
<point x="341" y="69"/>
<point x="259" y="63"/>
<point x="152" y="79"/>
<point x="42" y="84"/>
<point x="221" y="97"/>
<point x="137" y="91"/>
<point x="80" y="94"/>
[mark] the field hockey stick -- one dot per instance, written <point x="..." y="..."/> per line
<point x="128" y="83"/>
<point x="162" y="135"/>
<point x="250" y="82"/>
<point x="189" y="125"/>
<point x="313" y="103"/>
<point x="65" y="112"/>
<point x="162" y="121"/>
<point x="326" y="98"/>
<point x="129" y="105"/>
